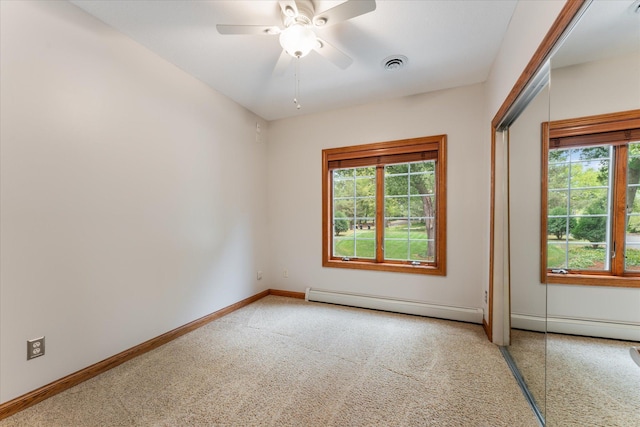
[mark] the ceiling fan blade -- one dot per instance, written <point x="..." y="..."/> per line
<point x="266" y="30"/>
<point x="282" y="64"/>
<point x="342" y="12"/>
<point x="333" y="54"/>
<point x="289" y="7"/>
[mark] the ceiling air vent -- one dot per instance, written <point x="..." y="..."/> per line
<point x="394" y="63"/>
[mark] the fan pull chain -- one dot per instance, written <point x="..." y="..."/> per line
<point x="297" y="83"/>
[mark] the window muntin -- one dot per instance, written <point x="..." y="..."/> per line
<point x="384" y="206"/>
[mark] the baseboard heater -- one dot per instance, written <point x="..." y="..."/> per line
<point x="463" y="314"/>
<point x="585" y="327"/>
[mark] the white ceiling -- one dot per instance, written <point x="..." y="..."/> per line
<point x="608" y="28"/>
<point x="448" y="43"/>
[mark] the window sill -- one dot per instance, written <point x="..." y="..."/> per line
<point x="594" y="280"/>
<point x="434" y="270"/>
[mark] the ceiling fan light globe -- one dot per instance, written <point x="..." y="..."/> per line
<point x="298" y="40"/>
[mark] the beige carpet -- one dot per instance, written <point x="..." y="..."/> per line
<point x="591" y="382"/>
<point x="286" y="362"/>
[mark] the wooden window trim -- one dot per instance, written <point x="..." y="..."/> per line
<point x="380" y="153"/>
<point x="620" y="128"/>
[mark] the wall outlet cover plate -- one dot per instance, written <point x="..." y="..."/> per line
<point x="35" y="348"/>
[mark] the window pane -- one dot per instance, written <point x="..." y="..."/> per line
<point x="558" y="176"/>
<point x="344" y="206"/>
<point x="397" y="169"/>
<point x="365" y="230"/>
<point x="589" y="173"/>
<point x="587" y="257"/>
<point x="419" y="205"/>
<point x="591" y="153"/>
<point x="557" y="254"/>
<point x="354" y="212"/>
<point x="422" y="177"/>
<point x="632" y="239"/>
<point x="558" y="199"/>
<point x="397" y="250"/>
<point x="343" y="188"/>
<point x="592" y="201"/>
<point x="558" y="224"/>
<point x="343" y="246"/>
<point x="418" y="250"/>
<point x="587" y="247"/>
<point x="397" y="229"/>
<point x="409" y="233"/>
<point x="578" y="255"/>
<point x="422" y="239"/>
<point x="343" y="173"/>
<point x="396" y="207"/>
<point x="578" y="221"/>
<point x="395" y="185"/>
<point x="365" y="248"/>
<point x="366" y="186"/>
<point x="558" y="156"/>
<point x="365" y="209"/>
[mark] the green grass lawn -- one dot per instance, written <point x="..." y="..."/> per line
<point x="586" y="257"/>
<point x="394" y="249"/>
<point x="580" y="257"/>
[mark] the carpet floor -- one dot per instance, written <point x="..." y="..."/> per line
<point x="590" y="382"/>
<point x="286" y="362"/>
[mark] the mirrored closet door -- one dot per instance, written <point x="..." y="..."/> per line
<point x="573" y="221"/>
<point x="592" y="162"/>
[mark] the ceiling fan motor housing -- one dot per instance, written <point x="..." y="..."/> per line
<point x="304" y="15"/>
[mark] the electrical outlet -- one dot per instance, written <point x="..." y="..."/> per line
<point x="259" y="275"/>
<point x="35" y="348"/>
<point x="285" y="273"/>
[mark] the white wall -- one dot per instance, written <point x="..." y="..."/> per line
<point x="132" y="196"/>
<point x="529" y="25"/>
<point x="295" y="202"/>
<point x="599" y="87"/>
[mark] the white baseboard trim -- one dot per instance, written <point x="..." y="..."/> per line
<point x="528" y="323"/>
<point x="585" y="327"/>
<point x="463" y="314"/>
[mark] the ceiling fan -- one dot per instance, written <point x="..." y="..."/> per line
<point x="297" y="36"/>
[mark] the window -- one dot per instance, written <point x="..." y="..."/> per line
<point x="590" y="212"/>
<point x="384" y="206"/>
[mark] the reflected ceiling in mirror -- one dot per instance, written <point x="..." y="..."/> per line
<point x="608" y="28"/>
